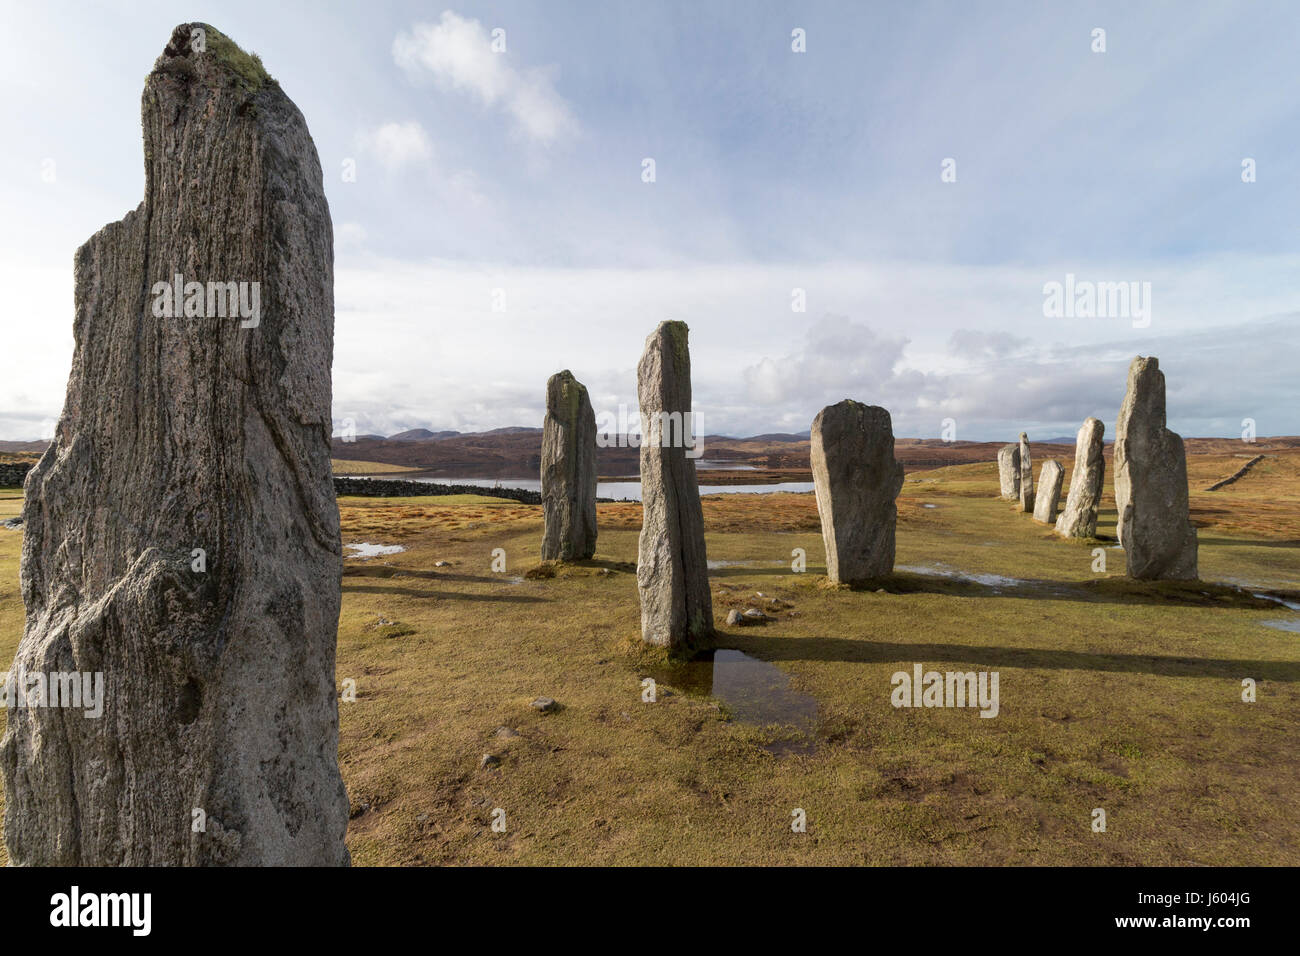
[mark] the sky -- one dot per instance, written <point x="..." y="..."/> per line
<point x="879" y="215"/>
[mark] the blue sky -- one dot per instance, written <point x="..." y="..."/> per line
<point x="519" y="174"/>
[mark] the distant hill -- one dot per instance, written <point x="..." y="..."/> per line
<point x="422" y="434"/>
<point x="36" y="446"/>
<point x="516" y="452"/>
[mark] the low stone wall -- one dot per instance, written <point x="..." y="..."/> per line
<point x="13" y="474"/>
<point x="396" y="488"/>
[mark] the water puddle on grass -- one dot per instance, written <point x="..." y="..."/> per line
<point x="1291" y="624"/>
<point x="1290" y="605"/>
<point x="754" y="691"/>
<point x="365" y="550"/>
<point x="994" y="581"/>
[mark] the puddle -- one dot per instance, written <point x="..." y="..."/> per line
<point x="994" y="581"/>
<point x="1291" y="605"/>
<point x="1291" y="624"/>
<point x="714" y="565"/>
<point x="365" y="550"/>
<point x="754" y="691"/>
<point x="928" y="505"/>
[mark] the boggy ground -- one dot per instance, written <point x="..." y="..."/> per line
<point x="1113" y="694"/>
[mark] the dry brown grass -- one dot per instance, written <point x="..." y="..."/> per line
<point x="1114" y="694"/>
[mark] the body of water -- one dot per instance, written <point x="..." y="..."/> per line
<point x="626" y="488"/>
<point x="755" y="691"/>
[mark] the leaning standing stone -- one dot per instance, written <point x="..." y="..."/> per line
<point x="182" y="537"/>
<point x="1079" y="517"/>
<point x="672" y="572"/>
<point x="1026" y="476"/>
<point x="1049" y="491"/>
<point x="1155" y="525"/>
<point x="568" y="471"/>
<point x="1009" y="471"/>
<point x="856" y="479"/>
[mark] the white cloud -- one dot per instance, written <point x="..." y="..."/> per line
<point x="349" y="235"/>
<point x="397" y="145"/>
<point x="881" y="334"/>
<point x="458" y="54"/>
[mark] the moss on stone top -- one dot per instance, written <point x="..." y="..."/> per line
<point x="246" y="66"/>
<point x="677" y="333"/>
<point x="571" y="394"/>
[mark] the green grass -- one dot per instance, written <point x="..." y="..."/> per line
<point x="348" y="466"/>
<point x="247" y="67"/>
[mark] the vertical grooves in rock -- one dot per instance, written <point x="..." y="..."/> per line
<point x="672" y="566"/>
<point x="181" y="433"/>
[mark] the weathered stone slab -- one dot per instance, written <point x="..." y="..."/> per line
<point x="1155" y="526"/>
<point x="1048" y="493"/>
<point x="1079" y="517"/>
<point x="1009" y="471"/>
<point x="568" y="471"/>
<point x="857" y="481"/>
<point x="672" y="572"/>
<point x="1026" y="476"/>
<point x="182" y="537"/>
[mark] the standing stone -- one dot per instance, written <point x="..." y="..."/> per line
<point x="857" y="479"/>
<point x="1009" y="471"/>
<point x="1079" y="518"/>
<point x="1155" y="526"/>
<point x="568" y="471"/>
<point x="182" y="537"/>
<point x="672" y="573"/>
<point x="1026" y="476"/>
<point x="1049" y="491"/>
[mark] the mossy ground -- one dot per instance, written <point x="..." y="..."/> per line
<point x="1114" y="694"/>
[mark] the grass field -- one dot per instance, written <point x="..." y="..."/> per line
<point x="344" y="466"/>
<point x="1113" y="694"/>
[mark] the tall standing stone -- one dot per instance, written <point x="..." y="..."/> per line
<point x="181" y="532"/>
<point x="1079" y="517"/>
<point x="856" y="479"/>
<point x="1026" y="476"/>
<point x="1155" y="526"/>
<point x="672" y="573"/>
<point x="1048" y="493"/>
<point x="1009" y="471"/>
<point x="568" y="471"/>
